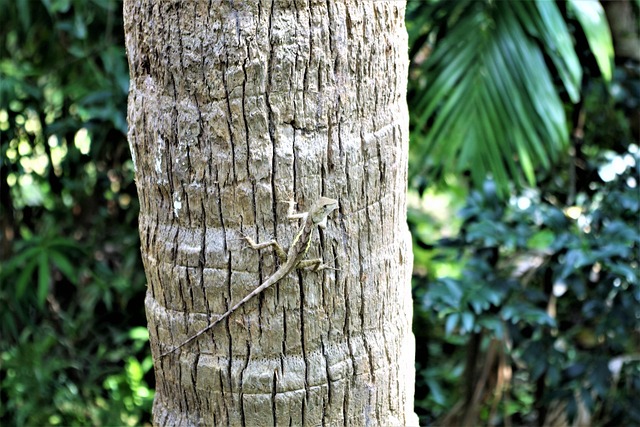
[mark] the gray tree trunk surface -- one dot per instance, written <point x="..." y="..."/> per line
<point x="236" y="107"/>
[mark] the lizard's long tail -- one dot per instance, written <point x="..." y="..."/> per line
<point x="270" y="281"/>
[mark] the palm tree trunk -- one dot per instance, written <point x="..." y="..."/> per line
<point x="238" y="106"/>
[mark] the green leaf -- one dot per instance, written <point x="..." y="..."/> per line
<point x="541" y="240"/>
<point x="451" y="323"/>
<point x="468" y="320"/>
<point x="523" y="312"/>
<point x="436" y="391"/>
<point x="58" y="6"/>
<point x="64" y="265"/>
<point x="18" y="260"/>
<point x="44" y="278"/>
<point x="25" y="276"/>
<point x="591" y="16"/>
<point x="559" y="46"/>
<point x="139" y="333"/>
<point x="134" y="370"/>
<point x="629" y="274"/>
<point x="64" y="242"/>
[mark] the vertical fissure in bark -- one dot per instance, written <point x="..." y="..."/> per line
<point x="302" y="343"/>
<point x="274" y="411"/>
<point x="194" y="371"/>
<point x="294" y="170"/>
<point x="270" y="114"/>
<point x="244" y="114"/>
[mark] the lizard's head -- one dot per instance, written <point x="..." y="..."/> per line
<point x="321" y="209"/>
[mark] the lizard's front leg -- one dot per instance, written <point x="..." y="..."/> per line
<point x="276" y="246"/>
<point x="294" y="216"/>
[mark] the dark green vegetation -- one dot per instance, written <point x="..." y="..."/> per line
<point x="527" y="304"/>
<point x="524" y="303"/>
<point x="73" y="348"/>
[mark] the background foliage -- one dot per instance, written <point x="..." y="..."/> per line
<point x="526" y="296"/>
<point x="527" y="306"/>
<point x="73" y="348"/>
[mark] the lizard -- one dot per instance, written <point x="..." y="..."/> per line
<point x="292" y="259"/>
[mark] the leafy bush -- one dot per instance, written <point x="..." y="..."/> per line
<point x="546" y="305"/>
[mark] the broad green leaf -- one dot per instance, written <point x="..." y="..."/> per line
<point x="147" y="364"/>
<point x="468" y="320"/>
<point x="451" y="323"/>
<point x="612" y="250"/>
<point x="58" y="6"/>
<point x="590" y="14"/>
<point x="493" y="324"/>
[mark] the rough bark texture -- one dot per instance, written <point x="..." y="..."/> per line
<point x="234" y="107"/>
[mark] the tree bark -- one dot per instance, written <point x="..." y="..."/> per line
<point x="235" y="107"/>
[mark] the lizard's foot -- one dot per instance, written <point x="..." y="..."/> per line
<point x="315" y="265"/>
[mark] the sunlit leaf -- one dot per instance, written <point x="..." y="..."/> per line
<point x="134" y="370"/>
<point x="590" y="14"/>
<point x="139" y="333"/>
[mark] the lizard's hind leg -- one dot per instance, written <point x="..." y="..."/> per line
<point x="315" y="264"/>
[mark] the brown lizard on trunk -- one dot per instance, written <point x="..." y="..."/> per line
<point x="317" y="216"/>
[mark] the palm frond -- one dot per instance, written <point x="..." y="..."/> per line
<point x="489" y="105"/>
<point x="593" y="21"/>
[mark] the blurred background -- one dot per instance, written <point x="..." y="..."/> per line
<point x="524" y="207"/>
